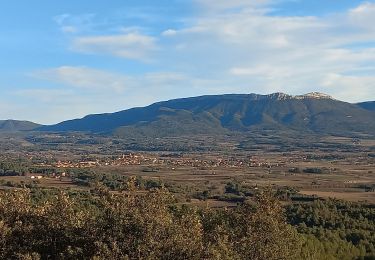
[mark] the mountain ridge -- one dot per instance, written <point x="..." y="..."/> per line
<point x="215" y="114"/>
<point x="369" y="105"/>
<point x="11" y="125"/>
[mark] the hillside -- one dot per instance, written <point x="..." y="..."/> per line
<point x="220" y="114"/>
<point x="14" y="126"/>
<point x="367" y="105"/>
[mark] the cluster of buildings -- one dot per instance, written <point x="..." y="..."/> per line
<point x="79" y="164"/>
<point x="181" y="161"/>
<point x="134" y="159"/>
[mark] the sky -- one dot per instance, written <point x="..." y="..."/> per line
<point x="61" y="60"/>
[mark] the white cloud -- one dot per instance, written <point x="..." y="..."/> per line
<point x="69" y="23"/>
<point x="95" y="80"/>
<point x="69" y="29"/>
<point x="354" y="88"/>
<point x="266" y="71"/>
<point x="131" y="29"/>
<point x="242" y="47"/>
<point x="247" y="49"/>
<point x="230" y="4"/>
<point x="132" y="45"/>
<point x="363" y="15"/>
<point x="169" y="32"/>
<point x="84" y="77"/>
<point x="60" y="19"/>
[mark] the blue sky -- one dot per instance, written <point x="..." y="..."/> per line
<point x="64" y="59"/>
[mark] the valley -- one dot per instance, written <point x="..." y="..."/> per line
<point x="309" y="166"/>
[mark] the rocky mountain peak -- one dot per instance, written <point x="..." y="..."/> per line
<point x="283" y="96"/>
<point x="314" y="95"/>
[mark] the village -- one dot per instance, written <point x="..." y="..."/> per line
<point x="179" y="160"/>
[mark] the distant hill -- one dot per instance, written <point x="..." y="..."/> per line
<point x="220" y="114"/>
<point x="368" y="105"/>
<point x="14" y="126"/>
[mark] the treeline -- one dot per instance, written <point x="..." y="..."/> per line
<point x="9" y="168"/>
<point x="333" y="228"/>
<point x="313" y="170"/>
<point x="20" y="168"/>
<point x="235" y="191"/>
<point x="114" y="182"/>
<point x="133" y="225"/>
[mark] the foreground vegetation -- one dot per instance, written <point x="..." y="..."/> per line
<point x="335" y="229"/>
<point x="135" y="224"/>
